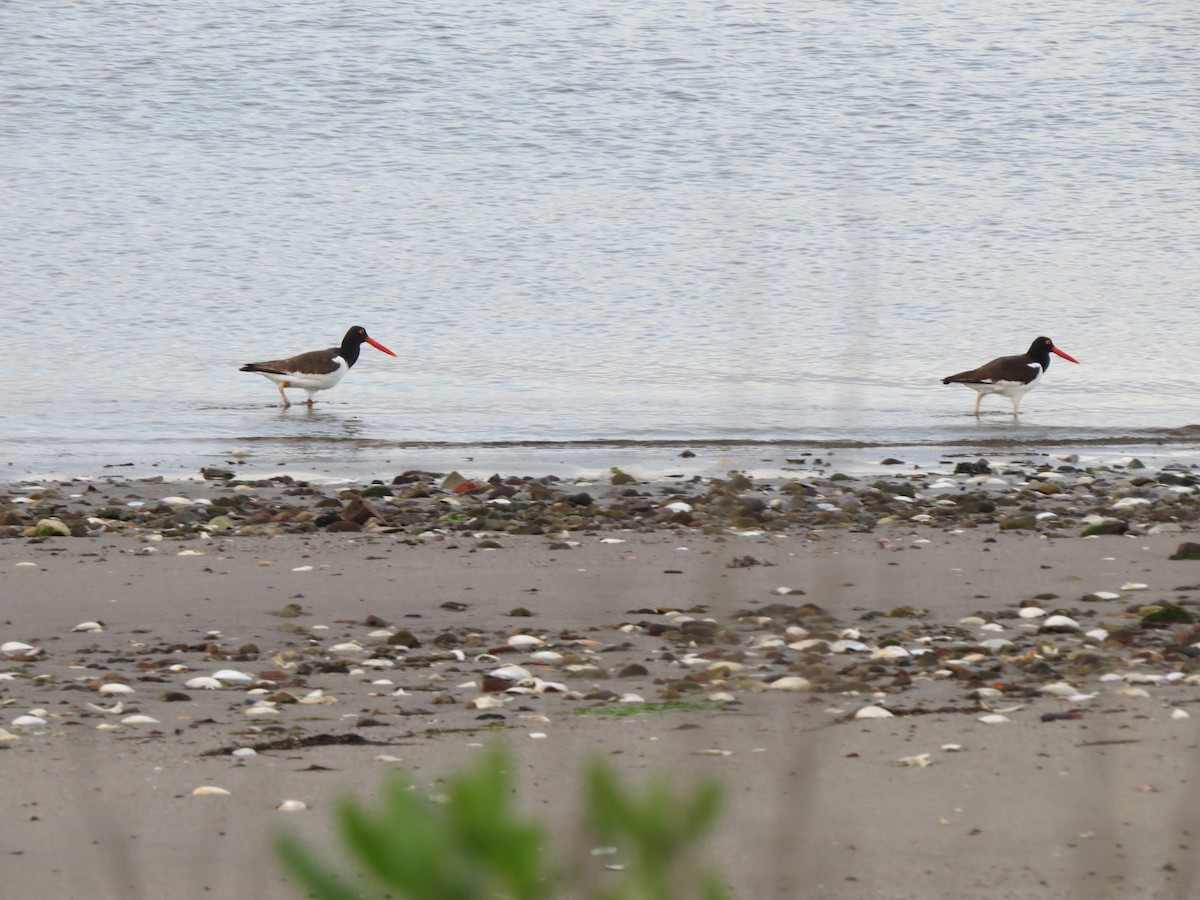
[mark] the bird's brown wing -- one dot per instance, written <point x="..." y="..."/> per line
<point x="1020" y="369"/>
<point x="315" y="362"/>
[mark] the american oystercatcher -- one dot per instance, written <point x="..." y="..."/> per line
<point x="317" y="370"/>
<point x="1011" y="376"/>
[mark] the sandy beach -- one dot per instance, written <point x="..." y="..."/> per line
<point x="1041" y="742"/>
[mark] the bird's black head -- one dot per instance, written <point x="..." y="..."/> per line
<point x="1042" y="347"/>
<point x="353" y="342"/>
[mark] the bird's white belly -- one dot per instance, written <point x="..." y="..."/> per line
<point x="1007" y="388"/>
<point x="309" y="382"/>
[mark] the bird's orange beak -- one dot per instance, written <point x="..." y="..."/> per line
<point x="378" y="346"/>
<point x="1065" y="356"/>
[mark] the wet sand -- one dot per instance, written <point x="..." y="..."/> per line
<point x="1086" y="790"/>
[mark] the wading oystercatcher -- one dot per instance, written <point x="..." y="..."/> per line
<point x="1011" y="376"/>
<point x="317" y="370"/>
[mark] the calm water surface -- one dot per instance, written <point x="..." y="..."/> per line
<point x="629" y="223"/>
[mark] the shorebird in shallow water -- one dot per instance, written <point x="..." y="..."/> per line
<point x="317" y="370"/>
<point x="1011" y="376"/>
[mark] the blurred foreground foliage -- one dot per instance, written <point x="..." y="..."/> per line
<point x="475" y="845"/>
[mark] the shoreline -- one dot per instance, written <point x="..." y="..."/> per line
<point x="365" y="460"/>
<point x="733" y="627"/>
<point x="1043" y="492"/>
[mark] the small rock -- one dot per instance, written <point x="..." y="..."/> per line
<point x="52" y="527"/>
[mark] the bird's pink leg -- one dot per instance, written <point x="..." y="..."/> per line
<point x="978" y="400"/>
<point x="286" y="404"/>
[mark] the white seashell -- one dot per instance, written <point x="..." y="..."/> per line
<point x="15" y="647"/>
<point x="115" y="710"/>
<point x="1135" y="692"/>
<point x="678" y="506"/>
<point x="632" y="698"/>
<point x="380" y="633"/>
<point x="1143" y="678"/>
<point x="318" y="696"/>
<point x="848" y="647"/>
<point x="209" y="790"/>
<point x="203" y="683"/>
<point x="1031" y="612"/>
<point x="260" y="712"/>
<point x="810" y="644"/>
<point x="994" y="719"/>
<point x="233" y="676"/>
<point x="726" y="665"/>
<point x="891" y="652"/>
<point x="115" y="688"/>
<point x="89" y="627"/>
<point x="1105" y="595"/>
<point x="513" y="673"/>
<point x="1045" y="515"/>
<point x="140" y="720"/>
<point x="1081" y="698"/>
<point x="1061" y="623"/>
<point x="348" y="647"/>
<point x="546" y="656"/>
<point x="611" y="541"/>
<point x="537" y="735"/>
<point x="991" y="626"/>
<point x="1112" y="676"/>
<point x="292" y="806"/>
<point x="1126" y="502"/>
<point x="303" y="569"/>
<point x="191" y="553"/>
<point x="722" y="697"/>
<point x="548" y="687"/>
<point x="524" y="641"/>
<point x="795" y="631"/>
<point x="920" y="761"/>
<point x="379" y="663"/>
<point x="873" y="712"/>
<point x="1180" y="714"/>
<point x="1134" y="586"/>
<point x="972" y="622"/>
<point x="108" y="726"/>
<point x="1098" y="634"/>
<point x="244" y="752"/>
<point x="29" y="721"/>
<point x="791" y="683"/>
<point x="995" y="644"/>
<point x="952" y="748"/>
<point x="8" y="736"/>
<point x="488" y="701"/>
